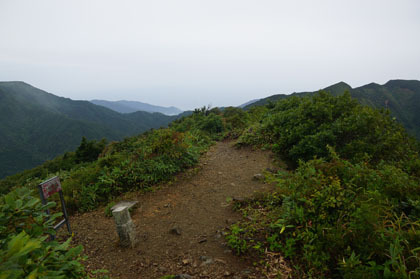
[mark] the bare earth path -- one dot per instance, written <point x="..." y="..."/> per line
<point x="197" y="205"/>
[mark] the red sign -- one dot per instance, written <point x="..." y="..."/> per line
<point x="51" y="186"/>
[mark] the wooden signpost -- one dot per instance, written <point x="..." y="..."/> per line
<point x="47" y="189"/>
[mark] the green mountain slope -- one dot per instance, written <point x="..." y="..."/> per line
<point x="36" y="126"/>
<point x="402" y="97"/>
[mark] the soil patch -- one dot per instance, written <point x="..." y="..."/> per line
<point x="180" y="225"/>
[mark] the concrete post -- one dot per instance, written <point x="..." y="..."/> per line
<point x="125" y="226"/>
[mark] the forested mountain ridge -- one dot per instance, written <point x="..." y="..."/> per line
<point x="133" y="106"/>
<point x="36" y="126"/>
<point x="401" y="97"/>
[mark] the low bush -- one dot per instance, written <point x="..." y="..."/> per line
<point x="89" y="151"/>
<point x="338" y="220"/>
<point x="300" y="128"/>
<point x="134" y="164"/>
<point x="25" y="251"/>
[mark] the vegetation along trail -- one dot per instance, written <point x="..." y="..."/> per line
<point x="181" y="225"/>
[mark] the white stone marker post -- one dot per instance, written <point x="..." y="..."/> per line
<point x="125" y="226"/>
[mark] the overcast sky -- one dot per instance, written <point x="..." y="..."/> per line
<point x="195" y="53"/>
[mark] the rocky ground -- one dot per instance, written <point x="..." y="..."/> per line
<point x="180" y="226"/>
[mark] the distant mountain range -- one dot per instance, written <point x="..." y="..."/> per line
<point x="401" y="97"/>
<point x="133" y="106"/>
<point x="36" y="126"/>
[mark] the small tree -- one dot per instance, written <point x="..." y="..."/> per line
<point x="89" y="151"/>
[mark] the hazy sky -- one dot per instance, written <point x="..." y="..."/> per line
<point x="195" y="53"/>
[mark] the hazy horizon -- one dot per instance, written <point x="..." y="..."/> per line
<point x="193" y="53"/>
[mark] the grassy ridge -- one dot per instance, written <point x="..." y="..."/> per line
<point x="351" y="207"/>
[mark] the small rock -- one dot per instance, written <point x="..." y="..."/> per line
<point x="183" y="276"/>
<point x="232" y="184"/>
<point x="246" y="272"/>
<point x="227" y="251"/>
<point x="207" y="262"/>
<point x="204" y="258"/>
<point x="220" y="173"/>
<point x="175" y="230"/>
<point x="220" y="261"/>
<point x="186" y="261"/>
<point x="162" y="269"/>
<point x="227" y="273"/>
<point x="258" y="176"/>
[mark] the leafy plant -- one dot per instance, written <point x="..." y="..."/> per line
<point x="235" y="240"/>
<point x="24" y="249"/>
<point x="108" y="212"/>
<point x="339" y="219"/>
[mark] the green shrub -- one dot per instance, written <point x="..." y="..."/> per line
<point x="236" y="120"/>
<point x="107" y="211"/>
<point x="136" y="163"/>
<point x="89" y="151"/>
<point x="235" y="239"/>
<point x="339" y="219"/>
<point x="301" y="129"/>
<point x="24" y="249"/>
<point x="212" y="124"/>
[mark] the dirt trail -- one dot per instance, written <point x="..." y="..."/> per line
<point x="196" y="204"/>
